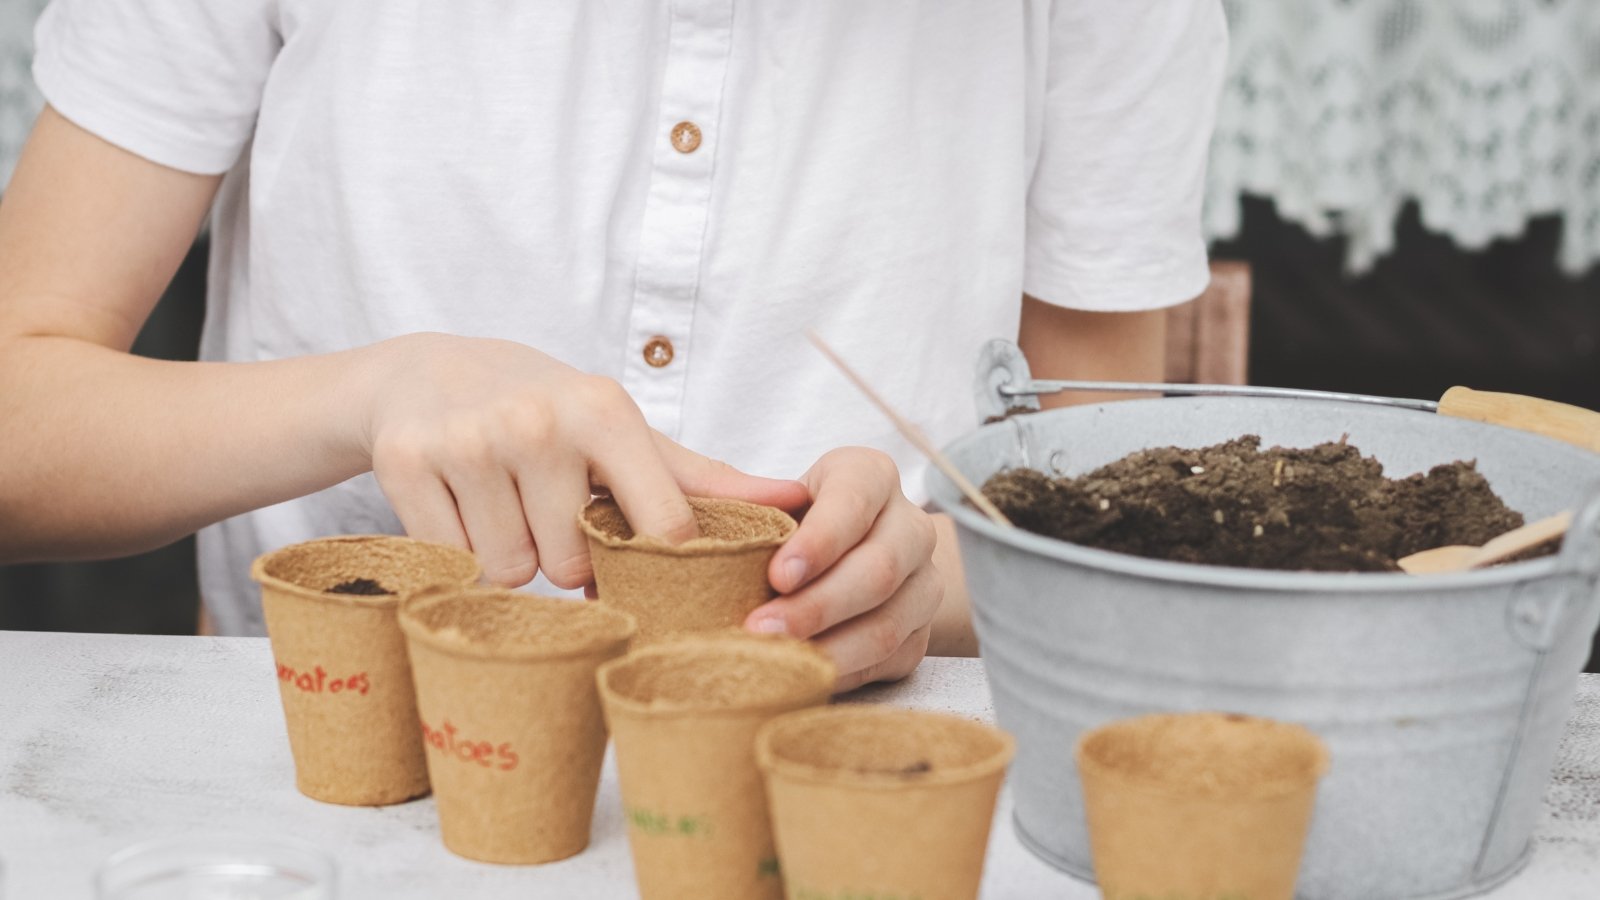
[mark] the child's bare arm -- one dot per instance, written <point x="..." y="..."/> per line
<point x="1098" y="346"/>
<point x="106" y="453"/>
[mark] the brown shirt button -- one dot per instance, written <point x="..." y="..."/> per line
<point x="658" y="351"/>
<point x="686" y="137"/>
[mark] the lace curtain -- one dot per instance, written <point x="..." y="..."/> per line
<point x="1485" y="112"/>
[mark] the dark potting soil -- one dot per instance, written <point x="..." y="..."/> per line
<point x="1324" y="508"/>
<point x="920" y="767"/>
<point x="364" y="586"/>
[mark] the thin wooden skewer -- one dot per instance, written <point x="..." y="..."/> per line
<point x="914" y="434"/>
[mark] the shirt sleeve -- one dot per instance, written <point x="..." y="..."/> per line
<point x="1114" y="201"/>
<point x="177" y="82"/>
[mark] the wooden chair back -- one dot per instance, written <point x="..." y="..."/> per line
<point x="1208" y="339"/>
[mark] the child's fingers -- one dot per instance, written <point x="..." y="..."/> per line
<point x="869" y="573"/>
<point x="875" y="646"/>
<point x="702" y="476"/>
<point x="423" y="503"/>
<point x="626" y="460"/>
<point x="901" y="663"/>
<point x="553" y="492"/>
<point x="851" y="488"/>
<point x="497" y="532"/>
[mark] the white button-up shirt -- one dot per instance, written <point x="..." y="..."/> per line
<point x="663" y="191"/>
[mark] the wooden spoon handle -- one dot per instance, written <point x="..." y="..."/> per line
<point x="1519" y="539"/>
<point x="1562" y="421"/>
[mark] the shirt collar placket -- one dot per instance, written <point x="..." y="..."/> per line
<point x="677" y="205"/>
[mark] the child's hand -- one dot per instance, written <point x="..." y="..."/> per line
<point x="494" y="446"/>
<point x="858" y="574"/>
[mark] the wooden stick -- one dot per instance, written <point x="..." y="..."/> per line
<point x="914" y="434"/>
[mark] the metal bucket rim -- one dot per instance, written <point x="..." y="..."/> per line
<point x="943" y="493"/>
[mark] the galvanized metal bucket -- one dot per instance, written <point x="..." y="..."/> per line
<point x="1441" y="698"/>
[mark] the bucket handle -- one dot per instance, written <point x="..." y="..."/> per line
<point x="1540" y="609"/>
<point x="1580" y="549"/>
<point x="1537" y="615"/>
<point x="1001" y="363"/>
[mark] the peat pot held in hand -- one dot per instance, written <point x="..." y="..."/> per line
<point x="1440" y="698"/>
<point x="706" y="584"/>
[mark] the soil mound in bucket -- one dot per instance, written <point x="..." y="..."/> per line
<point x="1323" y="508"/>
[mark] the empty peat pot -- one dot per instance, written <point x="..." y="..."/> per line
<point x="1199" y="805"/>
<point x="1441" y="698"/>
<point x="511" y="716"/>
<point x="872" y="801"/>
<point x="683" y="715"/>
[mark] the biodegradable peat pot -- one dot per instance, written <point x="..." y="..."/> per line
<point x="1198" y="806"/>
<point x="511" y="717"/>
<point x="342" y="667"/>
<point x="708" y="583"/>
<point x="684" y="715"/>
<point x="875" y="802"/>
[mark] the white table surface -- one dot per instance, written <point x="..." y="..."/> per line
<point x="109" y="739"/>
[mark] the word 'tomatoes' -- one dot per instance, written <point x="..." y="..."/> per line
<point x="484" y="753"/>
<point x="316" y="682"/>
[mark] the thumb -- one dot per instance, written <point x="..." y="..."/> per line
<point x="702" y="476"/>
